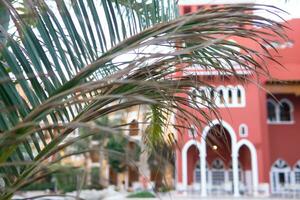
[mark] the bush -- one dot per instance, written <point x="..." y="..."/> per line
<point x="39" y="186"/>
<point x="143" y="194"/>
<point x="67" y="179"/>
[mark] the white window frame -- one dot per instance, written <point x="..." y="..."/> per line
<point x="277" y="111"/>
<point x="245" y="127"/>
<point x="217" y="98"/>
<point x="274" y="176"/>
<point x="288" y="102"/>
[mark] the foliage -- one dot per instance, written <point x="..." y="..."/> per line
<point x="142" y="194"/>
<point x="68" y="179"/>
<point x="116" y="152"/>
<point x="39" y="186"/>
<point x="83" y="60"/>
<point x="95" y="179"/>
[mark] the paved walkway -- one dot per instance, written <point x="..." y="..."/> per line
<point x="109" y="194"/>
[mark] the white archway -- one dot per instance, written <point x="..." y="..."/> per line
<point x="254" y="165"/>
<point x="184" y="160"/>
<point x="234" y="155"/>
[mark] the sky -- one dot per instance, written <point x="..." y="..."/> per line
<point x="290" y="6"/>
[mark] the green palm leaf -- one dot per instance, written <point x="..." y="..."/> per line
<point x="68" y="69"/>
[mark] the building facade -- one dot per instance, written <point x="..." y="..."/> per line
<point x="254" y="149"/>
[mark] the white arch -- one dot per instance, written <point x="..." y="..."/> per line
<point x="290" y="104"/>
<point x="232" y="134"/>
<point x="224" y="125"/>
<point x="285" y="100"/>
<point x="280" y="166"/>
<point x="254" y="165"/>
<point x="184" y="160"/>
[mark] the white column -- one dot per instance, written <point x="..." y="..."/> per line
<point x="235" y="172"/>
<point x="184" y="171"/>
<point x="254" y="174"/>
<point x="203" y="170"/>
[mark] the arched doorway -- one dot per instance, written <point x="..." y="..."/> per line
<point x="245" y="186"/>
<point x="280" y="177"/>
<point x="190" y="159"/>
<point x="247" y="157"/>
<point x="218" y="144"/>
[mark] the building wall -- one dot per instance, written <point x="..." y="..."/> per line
<point x="285" y="138"/>
<point x="271" y="141"/>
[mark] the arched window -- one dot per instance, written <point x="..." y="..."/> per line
<point x="280" y="176"/>
<point x="212" y="96"/>
<point x="217" y="172"/>
<point x="285" y="111"/>
<point x="239" y="96"/>
<point x="194" y="96"/>
<point x="243" y="130"/>
<point x="230" y="98"/>
<point x="203" y="98"/>
<point x="133" y="128"/>
<point x="271" y="106"/>
<point x="221" y="96"/>
<point x="297" y="173"/>
<point x="192" y="132"/>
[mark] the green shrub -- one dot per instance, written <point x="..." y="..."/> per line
<point x="143" y="194"/>
<point x="68" y="179"/>
<point x="39" y="186"/>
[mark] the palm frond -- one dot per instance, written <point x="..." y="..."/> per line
<point x="70" y="68"/>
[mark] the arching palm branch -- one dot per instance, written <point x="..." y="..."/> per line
<point x="87" y="59"/>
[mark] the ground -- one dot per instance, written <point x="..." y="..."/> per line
<point x="109" y="194"/>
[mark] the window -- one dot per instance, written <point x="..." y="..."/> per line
<point x="230" y="96"/>
<point x="271" y="111"/>
<point x="239" y="96"/>
<point x="134" y="128"/>
<point x="243" y="130"/>
<point x="192" y="132"/>
<point x="218" y="172"/>
<point x="280" y="176"/>
<point x="280" y="112"/>
<point x="187" y="9"/>
<point x="221" y="94"/>
<point x="212" y="95"/>
<point x="194" y="96"/>
<point x="197" y="173"/>
<point x="285" y="111"/>
<point x="297" y="173"/>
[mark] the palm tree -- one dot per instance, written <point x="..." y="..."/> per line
<point x="87" y="59"/>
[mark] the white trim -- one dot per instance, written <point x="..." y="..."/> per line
<point x="291" y="106"/>
<point x="274" y="177"/>
<point x="254" y="164"/>
<point x="217" y="97"/>
<point x="277" y="112"/>
<point x="222" y="123"/>
<point x="184" y="160"/>
<point x="232" y="134"/>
